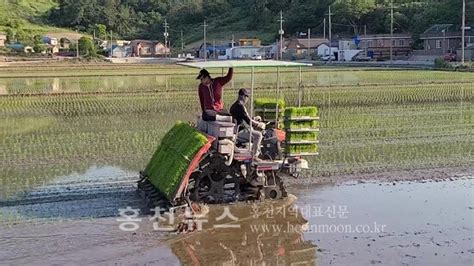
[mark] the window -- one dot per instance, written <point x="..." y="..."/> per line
<point x="401" y="42"/>
<point x="394" y="43"/>
<point x="370" y="44"/>
<point x="438" y="44"/>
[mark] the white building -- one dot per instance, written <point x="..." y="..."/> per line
<point x="347" y="50"/>
<point x="322" y="50"/>
<point x="243" y="52"/>
<point x="121" y="51"/>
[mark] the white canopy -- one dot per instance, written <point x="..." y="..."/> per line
<point x="242" y="63"/>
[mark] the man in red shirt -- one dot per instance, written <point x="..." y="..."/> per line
<point x="210" y="94"/>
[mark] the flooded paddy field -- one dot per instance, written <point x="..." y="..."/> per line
<point x="72" y="148"/>
<point x="409" y="223"/>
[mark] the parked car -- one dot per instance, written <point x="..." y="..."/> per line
<point x="449" y="57"/>
<point x="362" y="58"/>
<point x="328" y="57"/>
<point x="256" y="57"/>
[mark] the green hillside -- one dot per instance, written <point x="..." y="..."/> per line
<point x="26" y="18"/>
<point x="132" y="19"/>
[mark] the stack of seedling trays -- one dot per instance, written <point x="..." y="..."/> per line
<point x="173" y="156"/>
<point x="302" y="131"/>
<point x="267" y="109"/>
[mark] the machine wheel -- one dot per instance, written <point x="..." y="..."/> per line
<point x="274" y="188"/>
<point x="215" y="182"/>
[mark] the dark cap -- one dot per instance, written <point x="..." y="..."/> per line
<point x="203" y="73"/>
<point x="244" y="92"/>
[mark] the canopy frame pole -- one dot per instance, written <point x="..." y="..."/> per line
<point x="252" y="77"/>
<point x="277" y="97"/>
<point x="222" y="70"/>
<point x="300" y="87"/>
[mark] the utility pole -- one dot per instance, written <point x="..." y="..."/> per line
<point x="281" y="32"/>
<point x="444" y="40"/>
<point x="166" y="34"/>
<point x="463" y="35"/>
<point x="366" y="42"/>
<point x="309" y="41"/>
<point x="330" y="35"/>
<point x="391" y="31"/>
<point x="110" y="54"/>
<point x="232" y="45"/>
<point x="205" y="48"/>
<point x="324" y="30"/>
<point x="182" y="42"/>
<point x="77" y="46"/>
<point x="214" y="49"/>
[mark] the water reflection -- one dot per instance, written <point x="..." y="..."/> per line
<point x="95" y="192"/>
<point x="121" y="83"/>
<point x="84" y="84"/>
<point x="269" y="233"/>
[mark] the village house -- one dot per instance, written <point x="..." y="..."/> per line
<point x="254" y="42"/>
<point x="378" y="46"/>
<point x="248" y="52"/>
<point x="244" y="48"/>
<point x="301" y="45"/>
<point x="148" y="48"/>
<point x="64" y="44"/>
<point x="121" y="51"/>
<point x="441" y="39"/>
<point x="217" y="51"/>
<point x="60" y="41"/>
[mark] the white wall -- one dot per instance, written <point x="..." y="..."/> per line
<point x="240" y="52"/>
<point x="323" y="50"/>
<point x="347" y="55"/>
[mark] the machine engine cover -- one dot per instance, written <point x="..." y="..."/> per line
<point x="271" y="145"/>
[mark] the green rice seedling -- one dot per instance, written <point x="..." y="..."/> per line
<point x="269" y="103"/>
<point x="294" y="112"/>
<point x="171" y="160"/>
<point x="268" y="115"/>
<point x="301" y="124"/>
<point x="301" y="148"/>
<point x="302" y="136"/>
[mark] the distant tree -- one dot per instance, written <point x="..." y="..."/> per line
<point x="87" y="47"/>
<point x="39" y="48"/>
<point x="11" y="33"/>
<point x="38" y="44"/>
<point x="352" y="11"/>
<point x="24" y="37"/>
<point x="100" y="30"/>
<point x="144" y="18"/>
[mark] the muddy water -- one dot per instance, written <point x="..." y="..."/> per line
<point x="392" y="224"/>
<point x="97" y="192"/>
<point x="407" y="223"/>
